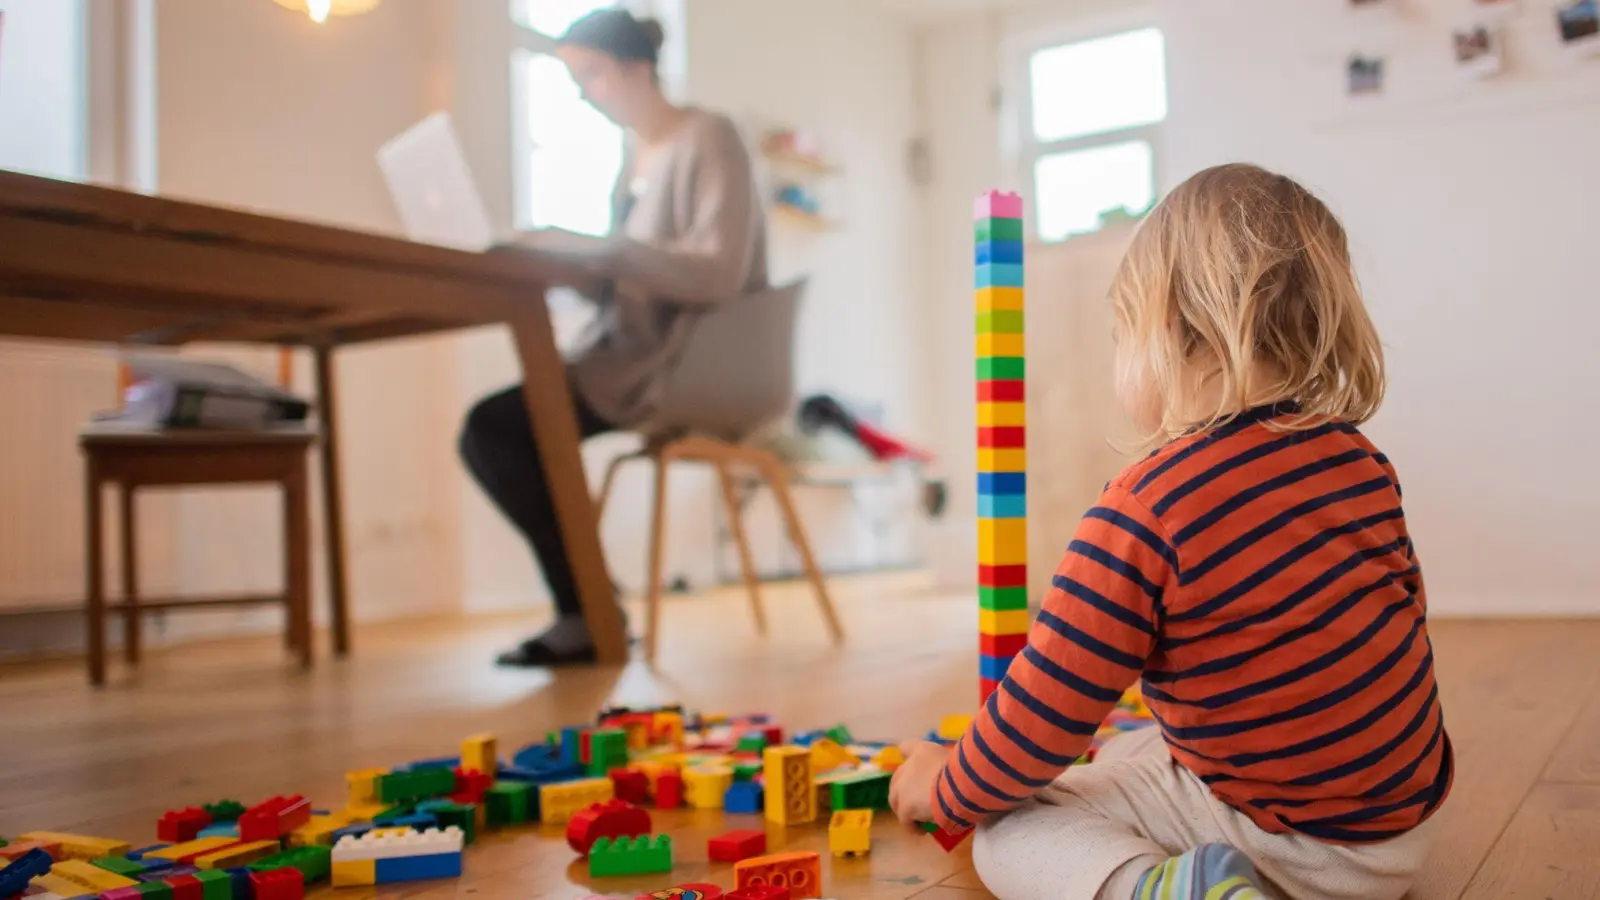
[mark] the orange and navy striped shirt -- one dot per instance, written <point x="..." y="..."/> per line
<point x="1263" y="583"/>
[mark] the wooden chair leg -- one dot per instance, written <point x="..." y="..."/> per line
<point x="778" y="479"/>
<point x="747" y="564"/>
<point x="610" y="480"/>
<point x="297" y="563"/>
<point x="658" y="540"/>
<point x="94" y="572"/>
<point x="131" y="621"/>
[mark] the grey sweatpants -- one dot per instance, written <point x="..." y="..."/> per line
<point x="1091" y="834"/>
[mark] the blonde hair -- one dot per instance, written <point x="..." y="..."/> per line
<point x="1240" y="283"/>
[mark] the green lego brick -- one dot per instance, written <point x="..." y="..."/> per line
<point x="1000" y="321"/>
<point x="746" y="771"/>
<point x="608" y="749"/>
<point x="1001" y="368"/>
<point x="508" y="803"/>
<point x="841" y="735"/>
<point x="120" y="865"/>
<point x="215" y="884"/>
<point x="990" y="229"/>
<point x="928" y="827"/>
<point x="399" y="810"/>
<point x="462" y="815"/>
<point x="752" y="743"/>
<point x="1002" y="599"/>
<point x="314" y="862"/>
<point x="155" y="890"/>
<point x="4" y="842"/>
<point x="869" y="791"/>
<point x="224" y="811"/>
<point x="643" y="855"/>
<point x="415" y="784"/>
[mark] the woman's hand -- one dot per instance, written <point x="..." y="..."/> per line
<point x="911" y="787"/>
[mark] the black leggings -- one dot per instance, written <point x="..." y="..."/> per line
<point x="498" y="447"/>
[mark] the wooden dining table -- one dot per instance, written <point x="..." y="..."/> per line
<point x="84" y="263"/>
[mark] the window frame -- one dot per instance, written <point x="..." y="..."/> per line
<point x="1021" y="150"/>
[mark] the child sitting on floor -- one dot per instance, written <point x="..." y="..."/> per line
<point x="1255" y="569"/>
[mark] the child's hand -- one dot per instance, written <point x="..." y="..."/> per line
<point x="911" y="787"/>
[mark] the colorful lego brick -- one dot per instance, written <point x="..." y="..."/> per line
<point x="850" y="832"/>
<point x="1002" y="576"/>
<point x="278" y="884"/>
<point x="471" y="786"/>
<point x="1001" y="368"/>
<point x="998" y="343"/>
<point x="949" y="840"/>
<point x="1003" y="621"/>
<point x="189" y="851"/>
<point x="685" y="892"/>
<point x="990" y="228"/>
<point x="744" y="797"/>
<point x="224" y="810"/>
<point x="790" y="794"/>
<point x="751" y="743"/>
<point x="998" y="205"/>
<point x="667" y="728"/>
<point x="1007" y="275"/>
<point x="90" y="878"/>
<point x="868" y="790"/>
<point x="541" y="764"/>
<point x="510" y="803"/>
<point x="239" y="882"/>
<point x="186" y="887"/>
<point x="220" y="829"/>
<point x="313" y="862"/>
<point x="182" y="824"/>
<point x="398" y="869"/>
<point x="155" y="890"/>
<point x="997" y="251"/>
<point x="993" y="668"/>
<point x="118" y="864"/>
<point x="747" y="771"/>
<point x="995" y="415"/>
<point x="214" y="885"/>
<point x="611" y="819"/>
<point x="1000" y="321"/>
<point x="166" y="870"/>
<point x="608" y="749"/>
<point x="705" y="786"/>
<point x="1009" y="598"/>
<point x="318" y="831"/>
<point x="758" y="892"/>
<point x="353" y="830"/>
<point x="644" y="855"/>
<point x="630" y="785"/>
<point x="354" y="873"/>
<point x="240" y="854"/>
<point x="274" y="818"/>
<point x="480" y="752"/>
<point x="669" y="790"/>
<point x="996" y="299"/>
<point x="25" y="867"/>
<point x="736" y="845"/>
<point x="396" y="787"/>
<point x="394" y="843"/>
<point x="78" y="846"/>
<point x="827" y="753"/>
<point x="20" y="848"/>
<point x="362" y="801"/>
<point x="1003" y="542"/>
<point x="801" y="873"/>
<point x="557" y="802"/>
<point x="462" y="816"/>
<point x="889" y="759"/>
<point x="132" y="893"/>
<point x="994" y="390"/>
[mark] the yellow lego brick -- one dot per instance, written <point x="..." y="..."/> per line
<point x="480" y="752"/>
<point x="705" y="786"/>
<point x="557" y="802"/>
<point x="850" y="832"/>
<point x="1003" y="621"/>
<point x="90" y="878"/>
<point x="638" y="734"/>
<point x="827" y="754"/>
<point x="791" y="797"/>
<point x="1002" y="459"/>
<point x="997" y="299"/>
<point x="238" y="855"/>
<point x="1001" y="345"/>
<point x="1002" y="542"/>
<point x="363" y="786"/>
<point x="951" y="728"/>
<point x="669" y="726"/>
<point x="191" y="849"/>
<point x="56" y="884"/>
<point x="889" y="759"/>
<point x="355" y="872"/>
<point x="79" y="846"/>
<point x="999" y="415"/>
<point x="319" y="831"/>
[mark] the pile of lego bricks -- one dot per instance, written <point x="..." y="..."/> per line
<point x="415" y="821"/>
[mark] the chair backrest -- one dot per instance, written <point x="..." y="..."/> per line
<point x="736" y="373"/>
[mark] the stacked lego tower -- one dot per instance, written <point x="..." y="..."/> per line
<point x="1002" y="439"/>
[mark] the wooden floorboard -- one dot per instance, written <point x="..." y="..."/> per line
<point x="233" y="719"/>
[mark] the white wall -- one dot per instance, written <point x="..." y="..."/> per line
<point x="1471" y="212"/>
<point x="42" y="87"/>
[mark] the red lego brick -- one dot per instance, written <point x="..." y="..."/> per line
<point x="583" y="747"/>
<point x="949" y="840"/>
<point x="774" y="735"/>
<point x="686" y="892"/>
<point x="1003" y="576"/>
<point x="759" y="892"/>
<point x="1001" y="390"/>
<point x="736" y="845"/>
<point x="271" y="819"/>
<point x="471" y="785"/>
<point x="1003" y="436"/>
<point x="1001" y="646"/>
<point x="186" y="887"/>
<point x="181" y="825"/>
<point x="631" y="786"/>
<point x="278" y="884"/>
<point x="985" y="688"/>
<point x="669" y="790"/>
<point x="612" y="819"/>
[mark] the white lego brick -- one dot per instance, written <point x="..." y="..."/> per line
<point x="390" y="846"/>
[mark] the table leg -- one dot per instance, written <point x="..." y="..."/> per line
<point x="333" y="501"/>
<point x="297" y="563"/>
<point x="94" y="572"/>
<point x="555" y="429"/>
<point x="130" y="578"/>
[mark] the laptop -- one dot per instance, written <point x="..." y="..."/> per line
<point x="433" y="188"/>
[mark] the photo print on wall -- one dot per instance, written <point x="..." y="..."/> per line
<point x="1579" y="23"/>
<point x="1478" y="51"/>
<point x="1364" y="75"/>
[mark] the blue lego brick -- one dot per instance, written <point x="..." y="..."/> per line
<point x="993" y="667"/>
<point x="156" y="864"/>
<point x="933" y="737"/>
<point x="221" y="829"/>
<point x="1006" y="252"/>
<point x="165" y="872"/>
<point x="998" y="275"/>
<point x="243" y="888"/>
<point x="1003" y="506"/>
<point x="535" y="756"/>
<point x="544" y="775"/>
<point x="808" y="738"/>
<point x="743" y="797"/>
<point x="357" y="829"/>
<point x="998" y="483"/>
<point x="14" y="877"/>
<point x="415" y="821"/>
<point x="430" y="806"/>
<point x="417" y="868"/>
<point x="441" y="762"/>
<point x="140" y="852"/>
<point x="570" y="748"/>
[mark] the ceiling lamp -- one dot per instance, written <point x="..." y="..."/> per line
<point x="320" y="10"/>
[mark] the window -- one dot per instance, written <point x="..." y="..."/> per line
<point x="1090" y="139"/>
<point x="43" y="110"/>
<point x="566" y="155"/>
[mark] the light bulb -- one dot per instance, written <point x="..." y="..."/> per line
<point x="319" y="9"/>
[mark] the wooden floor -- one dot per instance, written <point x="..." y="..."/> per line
<point x="1522" y="703"/>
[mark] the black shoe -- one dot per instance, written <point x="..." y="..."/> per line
<point x="533" y="654"/>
